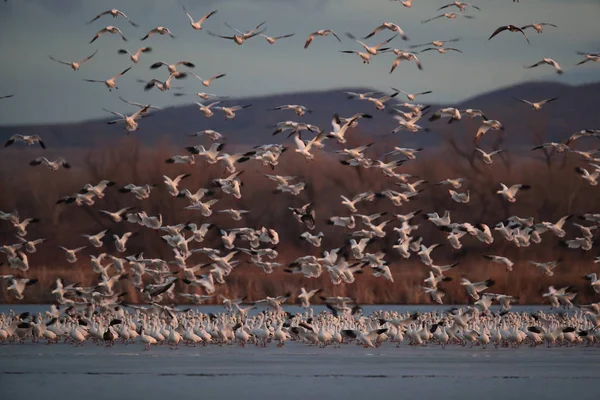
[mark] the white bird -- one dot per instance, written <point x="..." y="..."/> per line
<point x="72" y="253"/>
<point x="548" y="61"/>
<point x="109" y="29"/>
<point x="52" y="165"/>
<point x="161" y="30"/>
<point x="390" y="26"/>
<point x="96" y="240"/>
<point x="305" y="296"/>
<point x="510" y="193"/>
<point x="474" y="288"/>
<point x="486" y="126"/>
<point x="321" y="32"/>
<point x="114" y="13"/>
<point x="110" y="83"/>
<point x="131" y="124"/>
<point x="240" y="36"/>
<point x="135" y="57"/>
<point x="487" y="157"/>
<point x="172" y="184"/>
<point x="75" y="65"/>
<point x="121" y="242"/>
<point x="537" y="105"/>
<point x="197" y="25"/>
<point x="501" y="260"/>
<point x="272" y="40"/>
<point x="27" y="139"/>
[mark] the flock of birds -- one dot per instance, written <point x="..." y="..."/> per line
<point x="99" y="312"/>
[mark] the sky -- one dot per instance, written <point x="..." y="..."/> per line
<point x="47" y="92"/>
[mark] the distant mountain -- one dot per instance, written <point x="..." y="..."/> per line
<point x="574" y="110"/>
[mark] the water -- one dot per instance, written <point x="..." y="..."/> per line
<point x="295" y="371"/>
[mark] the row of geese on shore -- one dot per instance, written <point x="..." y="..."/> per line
<point x="161" y="325"/>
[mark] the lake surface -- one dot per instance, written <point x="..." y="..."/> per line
<point x="295" y="371"/>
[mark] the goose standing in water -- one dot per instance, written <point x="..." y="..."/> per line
<point x="197" y="25"/>
<point x="75" y="65"/>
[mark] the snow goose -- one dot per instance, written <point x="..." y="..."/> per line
<point x="172" y="184"/>
<point x="172" y="67"/>
<point x="17" y="285"/>
<point x="207" y="82"/>
<point x="460" y="5"/>
<point x="72" y="253"/>
<point x="547" y="267"/>
<point x="52" y="165"/>
<point x="229" y="160"/>
<point x="456" y="183"/>
<point x="314" y="240"/>
<point x="594" y="282"/>
<point x="556" y="228"/>
<point x="204" y="208"/>
<point x="486" y="126"/>
<point x="487" y="157"/>
<point x="379" y="102"/>
<point x="441" y="50"/>
<point x="240" y="36"/>
<point x="501" y="260"/>
<point x="206" y="109"/>
<point x="140" y="192"/>
<point x="235" y="215"/>
<point x="181" y="160"/>
<point x="588" y="57"/>
<point x="586" y="230"/>
<point x="130" y="121"/>
<point x="547" y="61"/>
<point x="166" y="85"/>
<point x="460" y="197"/>
<point x="272" y="40"/>
<point x="116" y="216"/>
<point x="365" y="57"/>
<point x="96" y="240"/>
<point x="404" y="55"/>
<point x="111" y="83"/>
<point x="453" y="113"/>
<point x="213" y="135"/>
<point x="450" y="15"/>
<point x="367" y="338"/>
<point x="114" y="13"/>
<point x="30" y="245"/>
<point x="321" y="32"/>
<point x="161" y="30"/>
<point x="411" y="96"/>
<point x="197" y="25"/>
<point x="510" y="28"/>
<point x="298" y="109"/>
<point x="538" y="27"/>
<point x="372" y="50"/>
<point x="27" y="139"/>
<point x="425" y="253"/>
<point x="537" y="105"/>
<point x="509" y="193"/>
<point x="75" y="65"/>
<point x="474" y="288"/>
<point x="390" y="26"/>
<point x="591" y="178"/>
<point x="135" y="57"/>
<point x="109" y="29"/>
<point x="230" y="111"/>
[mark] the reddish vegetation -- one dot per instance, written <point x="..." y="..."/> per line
<point x="556" y="191"/>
